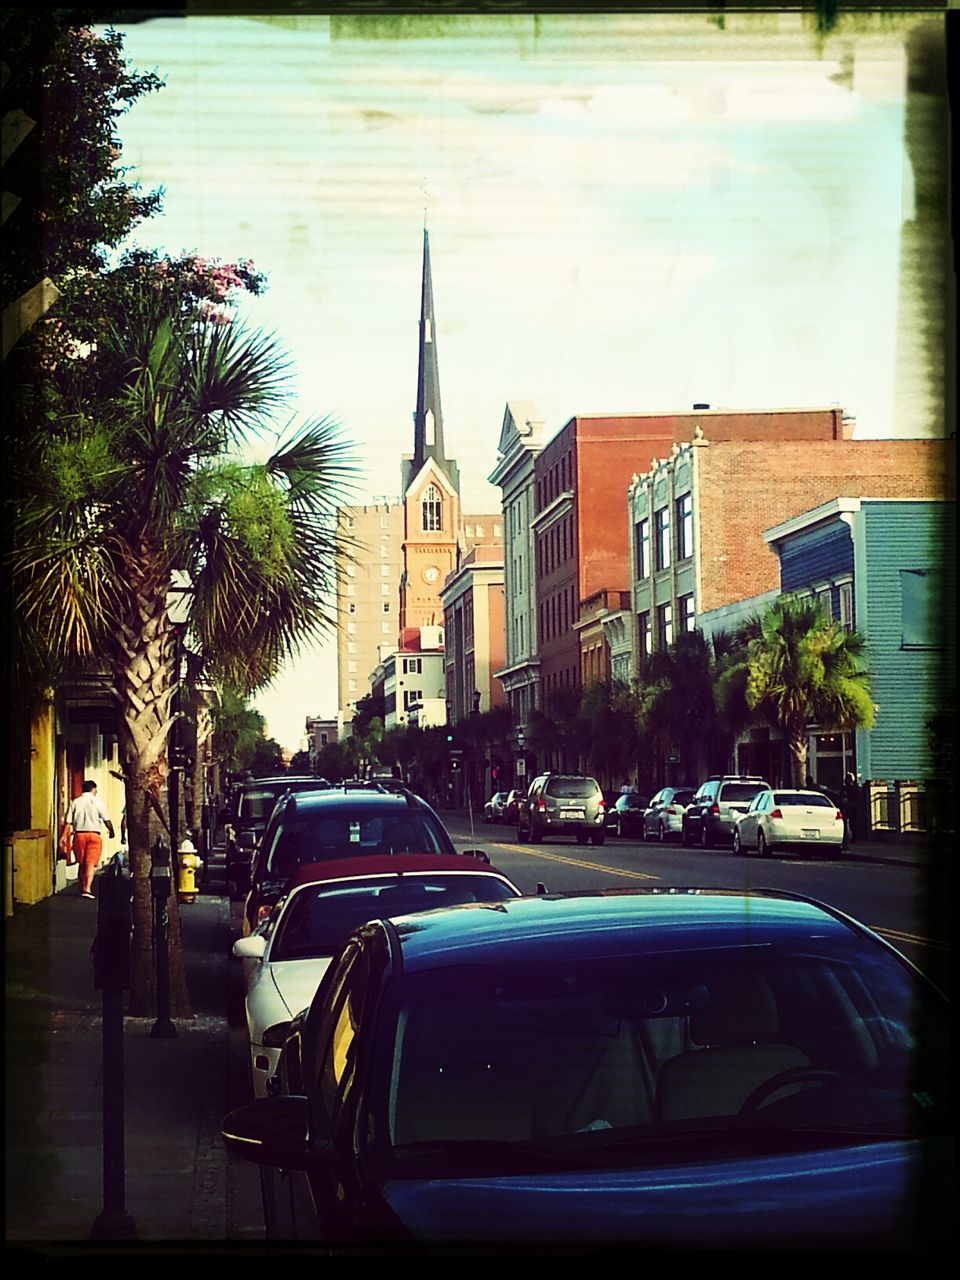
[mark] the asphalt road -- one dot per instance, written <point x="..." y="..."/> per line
<point x="909" y="906"/>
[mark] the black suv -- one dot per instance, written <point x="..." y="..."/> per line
<point x="708" y="820"/>
<point x="351" y="821"/>
<point x="246" y="817"/>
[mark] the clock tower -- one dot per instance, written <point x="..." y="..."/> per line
<point x="431" y="484"/>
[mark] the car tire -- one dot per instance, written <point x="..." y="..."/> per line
<point x="705" y="841"/>
<point x="581" y="837"/>
<point x="661" y="833"/>
<point x="534" y="837"/>
<point x="619" y="828"/>
<point x="685" y="839"/>
<point x="738" y="848"/>
<point x="763" y="849"/>
<point x="597" y="839"/>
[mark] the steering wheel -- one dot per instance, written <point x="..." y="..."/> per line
<point x="794" y="1076"/>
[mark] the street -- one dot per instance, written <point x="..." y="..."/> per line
<point x="907" y="905"/>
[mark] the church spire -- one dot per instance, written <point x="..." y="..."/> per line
<point x="428" y="419"/>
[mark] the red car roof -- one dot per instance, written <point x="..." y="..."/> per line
<point x="389" y="864"/>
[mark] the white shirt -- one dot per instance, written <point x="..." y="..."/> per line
<point x="87" y="812"/>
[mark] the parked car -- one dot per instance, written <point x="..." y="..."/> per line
<point x="289" y="952"/>
<point x="562" y="804"/>
<point x="361" y="820"/>
<point x="663" y="816"/>
<point x="782" y="819"/>
<point x="627" y="817"/>
<point x="247" y="815"/>
<point x="495" y="807"/>
<point x="610" y="799"/>
<point x="709" y="819"/>
<point x="682" y="1068"/>
<point x="510" y="808"/>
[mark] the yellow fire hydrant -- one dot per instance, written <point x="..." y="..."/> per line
<point x="190" y="864"/>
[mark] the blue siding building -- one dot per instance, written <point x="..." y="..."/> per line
<point x="888" y="568"/>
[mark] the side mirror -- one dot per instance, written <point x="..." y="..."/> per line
<point x="541" y="887"/>
<point x="271" y="1131"/>
<point x="250" y="948"/>
<point x="247" y="841"/>
<point x="478" y="854"/>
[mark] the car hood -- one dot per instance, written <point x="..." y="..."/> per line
<point x="296" y="981"/>
<point x="868" y="1194"/>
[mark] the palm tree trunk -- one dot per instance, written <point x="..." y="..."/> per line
<point x="797" y="742"/>
<point x="143" y="670"/>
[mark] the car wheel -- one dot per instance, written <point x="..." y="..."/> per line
<point x="534" y="837"/>
<point x="685" y="839"/>
<point x="762" y="847"/>
<point x="661" y="833"/>
<point x="597" y="839"/>
<point x="738" y="848"/>
<point x="581" y="837"/>
<point x="705" y="841"/>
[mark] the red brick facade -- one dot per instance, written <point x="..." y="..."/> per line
<point x="745" y="487"/>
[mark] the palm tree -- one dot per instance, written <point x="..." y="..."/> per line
<point x="612" y="740"/>
<point x="139" y="474"/>
<point x="804" y="668"/>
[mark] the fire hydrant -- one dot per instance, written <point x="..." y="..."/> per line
<point x="190" y="864"/>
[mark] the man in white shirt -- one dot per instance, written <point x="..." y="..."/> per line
<point x="84" y="816"/>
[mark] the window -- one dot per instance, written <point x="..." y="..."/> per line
<point x="662" y="518"/>
<point x="351" y="666"/>
<point x="384" y="588"/>
<point x="385" y="628"/>
<point x="918" y="615"/>
<point x="351" y="628"/>
<point x="353" y="686"/>
<point x="384" y="522"/>
<point x="384" y="550"/>
<point x="642" y="533"/>
<point x="687" y="613"/>
<point x="846" y="605"/>
<point x="664" y="625"/>
<point x="414" y="665"/>
<point x="384" y="571"/>
<point x="412" y="698"/>
<point x="824" y="597"/>
<point x="468" y="530"/>
<point x="431" y="510"/>
<point x="351" y="607"/>
<point x="386" y="606"/>
<point x="644" y="634"/>
<point x="351" y="647"/>
<point x="480" y="531"/>
<point x="684" y="526"/>
<point x="497" y="531"/>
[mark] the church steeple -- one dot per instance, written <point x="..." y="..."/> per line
<point x="428" y="419"/>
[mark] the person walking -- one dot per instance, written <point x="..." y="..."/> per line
<point x="850" y="796"/>
<point x="84" y="818"/>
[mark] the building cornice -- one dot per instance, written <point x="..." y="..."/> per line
<point x="561" y="504"/>
<point x="837" y="508"/>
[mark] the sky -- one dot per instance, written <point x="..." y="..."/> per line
<point x="627" y="214"/>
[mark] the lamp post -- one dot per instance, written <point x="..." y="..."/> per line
<point x="178" y="612"/>
<point x="521" y="769"/>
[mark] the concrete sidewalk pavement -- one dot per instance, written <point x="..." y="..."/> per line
<point x="179" y="1180"/>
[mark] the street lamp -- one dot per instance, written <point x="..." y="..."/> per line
<point x="521" y="758"/>
<point x="178" y="602"/>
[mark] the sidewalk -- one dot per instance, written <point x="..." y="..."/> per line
<point x="178" y="1177"/>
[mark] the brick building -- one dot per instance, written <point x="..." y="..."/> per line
<point x="474" y="633"/>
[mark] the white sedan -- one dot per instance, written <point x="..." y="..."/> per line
<point x="286" y="957"/>
<point x="777" y="819"/>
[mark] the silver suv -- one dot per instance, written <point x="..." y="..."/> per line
<point x="561" y="804"/>
<point x="709" y="818"/>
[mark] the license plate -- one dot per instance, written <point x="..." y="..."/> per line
<point x="811" y="833"/>
<point x="572" y="813"/>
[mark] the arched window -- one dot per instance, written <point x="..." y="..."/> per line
<point x="431" y="510"/>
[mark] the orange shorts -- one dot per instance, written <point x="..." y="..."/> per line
<point x="88" y="846"/>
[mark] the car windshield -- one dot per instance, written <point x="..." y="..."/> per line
<point x="658" y="1057"/>
<point x="807" y="799"/>
<point x="318" y="917"/>
<point x="740" y="790"/>
<point x="259" y="804"/>
<point x="572" y="788"/>
<point x="632" y="802"/>
<point x="349" y="833"/>
<point x="681" y="797"/>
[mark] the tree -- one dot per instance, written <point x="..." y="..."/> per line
<point x="610" y="711"/>
<point x="267" y="759"/>
<point x="73" y="201"/>
<point x="237" y="728"/>
<point x="142" y="476"/>
<point x="300" y="764"/>
<point x="804" y="668"/>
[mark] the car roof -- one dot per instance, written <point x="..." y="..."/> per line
<point x="606" y="923"/>
<point x="356" y="798"/>
<point x="391" y="864"/>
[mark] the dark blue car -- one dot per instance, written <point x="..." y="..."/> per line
<point x="667" y="1069"/>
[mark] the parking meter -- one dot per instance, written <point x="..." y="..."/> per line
<point x="160" y="873"/>
<point x="111" y="946"/>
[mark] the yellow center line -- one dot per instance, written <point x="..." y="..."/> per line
<point x="575" y="862"/>
<point x="900" y="936"/>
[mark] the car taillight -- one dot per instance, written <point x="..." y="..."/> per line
<point x="671" y="809"/>
<point x="839" y="816"/>
<point x="542" y="804"/>
<point x="776" y="813"/>
<point x="263" y="911"/>
<point x="715" y="808"/>
<point x="601" y="805"/>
